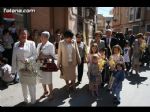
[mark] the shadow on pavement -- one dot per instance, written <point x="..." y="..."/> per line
<point x="136" y="79"/>
<point x="79" y="98"/>
<point x="82" y="97"/>
<point x="3" y="86"/>
<point x="144" y="68"/>
<point x="59" y="96"/>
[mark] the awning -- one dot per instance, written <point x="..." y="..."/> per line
<point x="8" y="16"/>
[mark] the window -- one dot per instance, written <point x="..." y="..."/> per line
<point x="131" y="14"/>
<point x="136" y="29"/>
<point x="138" y="13"/>
<point x="148" y="28"/>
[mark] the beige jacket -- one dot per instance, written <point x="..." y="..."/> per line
<point x="63" y="54"/>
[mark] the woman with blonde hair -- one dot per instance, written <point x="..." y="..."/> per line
<point x="115" y="58"/>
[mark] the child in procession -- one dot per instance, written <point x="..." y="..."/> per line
<point x="94" y="75"/>
<point x="127" y="55"/>
<point x="119" y="75"/>
<point x="93" y="50"/>
<point x="115" y="58"/>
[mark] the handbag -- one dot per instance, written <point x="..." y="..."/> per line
<point x="49" y="66"/>
<point x="29" y="70"/>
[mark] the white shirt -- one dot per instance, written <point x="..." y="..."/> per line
<point x="6" y="70"/>
<point x="69" y="49"/>
<point x="12" y="29"/>
<point x="108" y="40"/>
<point x="148" y="40"/>
<point x="21" y="53"/>
<point x="47" y="49"/>
<point x="126" y="54"/>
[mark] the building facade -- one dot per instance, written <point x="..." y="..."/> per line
<point x="135" y="18"/>
<point x="100" y="23"/>
<point x="77" y="19"/>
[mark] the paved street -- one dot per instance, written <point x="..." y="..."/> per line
<point x="136" y="92"/>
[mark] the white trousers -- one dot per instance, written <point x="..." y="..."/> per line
<point x="32" y="92"/>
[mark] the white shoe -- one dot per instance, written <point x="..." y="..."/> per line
<point x="26" y="100"/>
<point x="33" y="102"/>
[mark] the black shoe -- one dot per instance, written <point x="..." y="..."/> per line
<point x="116" y="102"/>
<point x="15" y="82"/>
<point x="79" y="82"/>
<point x="102" y="85"/>
<point x="115" y="98"/>
<point x="108" y="90"/>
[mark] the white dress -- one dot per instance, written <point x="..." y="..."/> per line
<point x="47" y="49"/>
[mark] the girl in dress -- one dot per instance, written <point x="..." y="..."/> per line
<point x="116" y="55"/>
<point x="115" y="58"/>
<point x="93" y="50"/>
<point x="95" y="75"/>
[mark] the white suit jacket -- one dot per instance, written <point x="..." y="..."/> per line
<point x="30" y="54"/>
<point x="47" y="49"/>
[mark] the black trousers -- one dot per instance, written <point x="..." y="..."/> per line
<point x="128" y="65"/>
<point x="106" y="73"/>
<point x="8" y="54"/>
<point x="80" y="70"/>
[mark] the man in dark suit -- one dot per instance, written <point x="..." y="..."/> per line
<point x="109" y="42"/>
<point x="131" y="37"/>
<point x="131" y="40"/>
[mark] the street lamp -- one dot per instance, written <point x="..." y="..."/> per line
<point x="108" y="19"/>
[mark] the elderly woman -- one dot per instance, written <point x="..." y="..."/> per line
<point x="45" y="50"/>
<point x="24" y="52"/>
<point x="68" y="58"/>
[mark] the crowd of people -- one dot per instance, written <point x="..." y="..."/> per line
<point x="111" y="57"/>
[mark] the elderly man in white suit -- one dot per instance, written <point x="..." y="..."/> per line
<point x="24" y="51"/>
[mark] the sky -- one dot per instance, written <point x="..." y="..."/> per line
<point x="104" y="11"/>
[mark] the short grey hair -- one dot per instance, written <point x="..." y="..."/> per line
<point x="46" y="34"/>
<point x="108" y="30"/>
